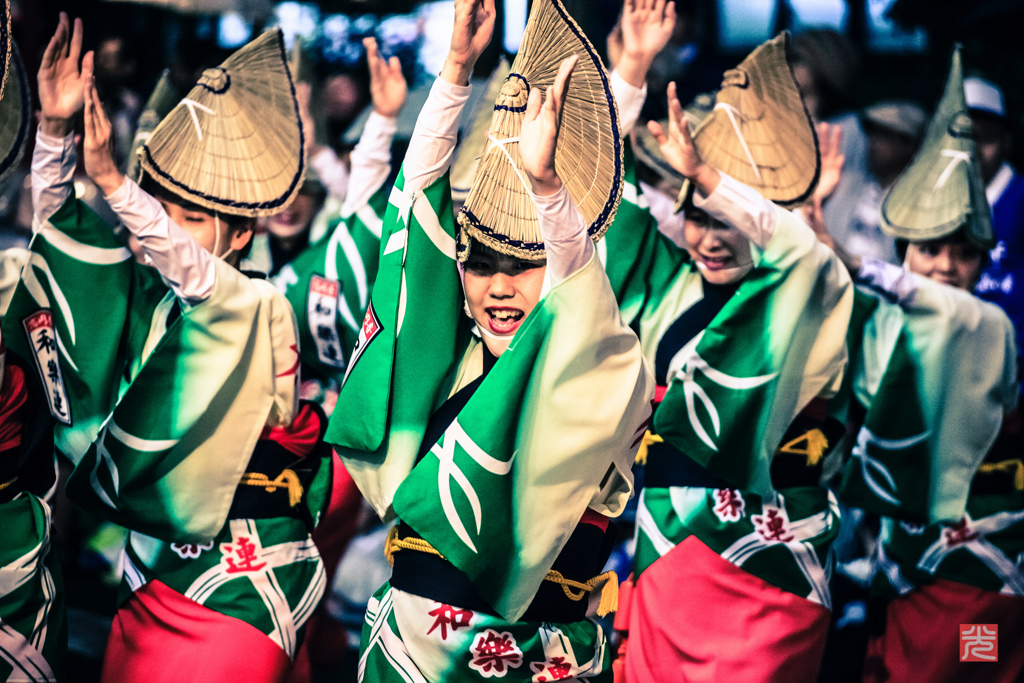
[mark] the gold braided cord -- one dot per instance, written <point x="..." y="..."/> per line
<point x="574" y="590"/>
<point x="287" y="478"/>
<point x="8" y="482"/>
<point x="1014" y="467"/>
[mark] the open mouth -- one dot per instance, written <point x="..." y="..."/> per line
<point x="716" y="262"/>
<point x="504" y="320"/>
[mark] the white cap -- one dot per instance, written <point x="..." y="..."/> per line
<point x="984" y="96"/>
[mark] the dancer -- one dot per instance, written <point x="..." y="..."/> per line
<point x="176" y="395"/>
<point x="745" y="325"/>
<point x="536" y="418"/>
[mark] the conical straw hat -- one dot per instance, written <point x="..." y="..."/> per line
<point x="5" y="41"/>
<point x="235" y="143"/>
<point x="160" y="103"/>
<point x="474" y="140"/>
<point x="14" y="115"/>
<point x="499" y="211"/>
<point x="648" y="151"/>
<point x="941" y="190"/>
<point x="759" y="131"/>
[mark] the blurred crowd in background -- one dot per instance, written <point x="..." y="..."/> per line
<point x="874" y="67"/>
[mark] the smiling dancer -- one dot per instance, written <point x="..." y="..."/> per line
<point x="536" y="420"/>
<point x="938" y="453"/>
<point x="745" y="325"/>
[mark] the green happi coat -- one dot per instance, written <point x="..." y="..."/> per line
<point x="551" y="431"/>
<point x="161" y="419"/>
<point x="778" y="343"/>
<point x="32" y="629"/>
<point x="935" y="374"/>
<point x="329" y="284"/>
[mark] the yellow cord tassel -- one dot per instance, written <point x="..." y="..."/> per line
<point x="286" y="478"/>
<point x="8" y="483"/>
<point x="608" y="581"/>
<point x="649" y="440"/>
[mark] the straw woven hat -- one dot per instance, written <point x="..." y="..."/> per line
<point x="160" y="103"/>
<point x="759" y="131"/>
<point x="5" y="41"/>
<point x="235" y="143"/>
<point x="474" y="140"/>
<point x="499" y="211"/>
<point x="14" y="115"/>
<point x="941" y="190"/>
<point x="648" y="151"/>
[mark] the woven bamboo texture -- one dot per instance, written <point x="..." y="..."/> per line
<point x="474" y="141"/>
<point x="5" y="42"/>
<point x="941" y="190"/>
<point x="235" y="143"/>
<point x="160" y="103"/>
<point x="759" y="131"/>
<point x="499" y="211"/>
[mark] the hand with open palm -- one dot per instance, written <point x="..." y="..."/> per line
<point x="538" y="136"/>
<point x="61" y="80"/>
<point x="474" y="26"/>
<point x="387" y="84"/>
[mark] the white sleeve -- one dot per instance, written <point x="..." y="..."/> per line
<point x="889" y="278"/>
<point x="186" y="267"/>
<point x="433" y="139"/>
<point x="662" y="207"/>
<point x="630" y="100"/>
<point x="742" y="207"/>
<point x="332" y="170"/>
<point x="566" y="241"/>
<point x="371" y="162"/>
<point x="53" y="173"/>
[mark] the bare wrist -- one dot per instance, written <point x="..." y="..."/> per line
<point x="55" y="127"/>
<point x="546" y="186"/>
<point x="109" y="183"/>
<point x="457" y="70"/>
<point x="633" y="68"/>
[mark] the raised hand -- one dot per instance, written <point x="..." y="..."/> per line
<point x="646" y="27"/>
<point x="387" y="84"/>
<point x="830" y="145"/>
<point x="474" y="25"/>
<point x="61" y="81"/>
<point x="677" y="145"/>
<point x="538" y="136"/>
<point x="97" y="147"/>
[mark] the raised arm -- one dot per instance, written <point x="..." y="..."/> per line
<point x="433" y="140"/>
<point x="61" y="82"/>
<point x="566" y="241"/>
<point x="186" y="267"/>
<point x="644" y="28"/>
<point x="371" y="158"/>
<point x="722" y="197"/>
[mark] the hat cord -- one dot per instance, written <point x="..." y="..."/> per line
<point x="733" y="112"/>
<point x="500" y="144"/>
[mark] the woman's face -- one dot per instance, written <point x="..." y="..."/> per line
<point x="722" y="253"/>
<point x="950" y="262"/>
<point x="216" y="236"/>
<point x="501" y="291"/>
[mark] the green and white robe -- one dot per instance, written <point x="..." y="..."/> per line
<point x="936" y="372"/>
<point x="736" y="387"/>
<point x="551" y="430"/>
<point x="160" y="418"/>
